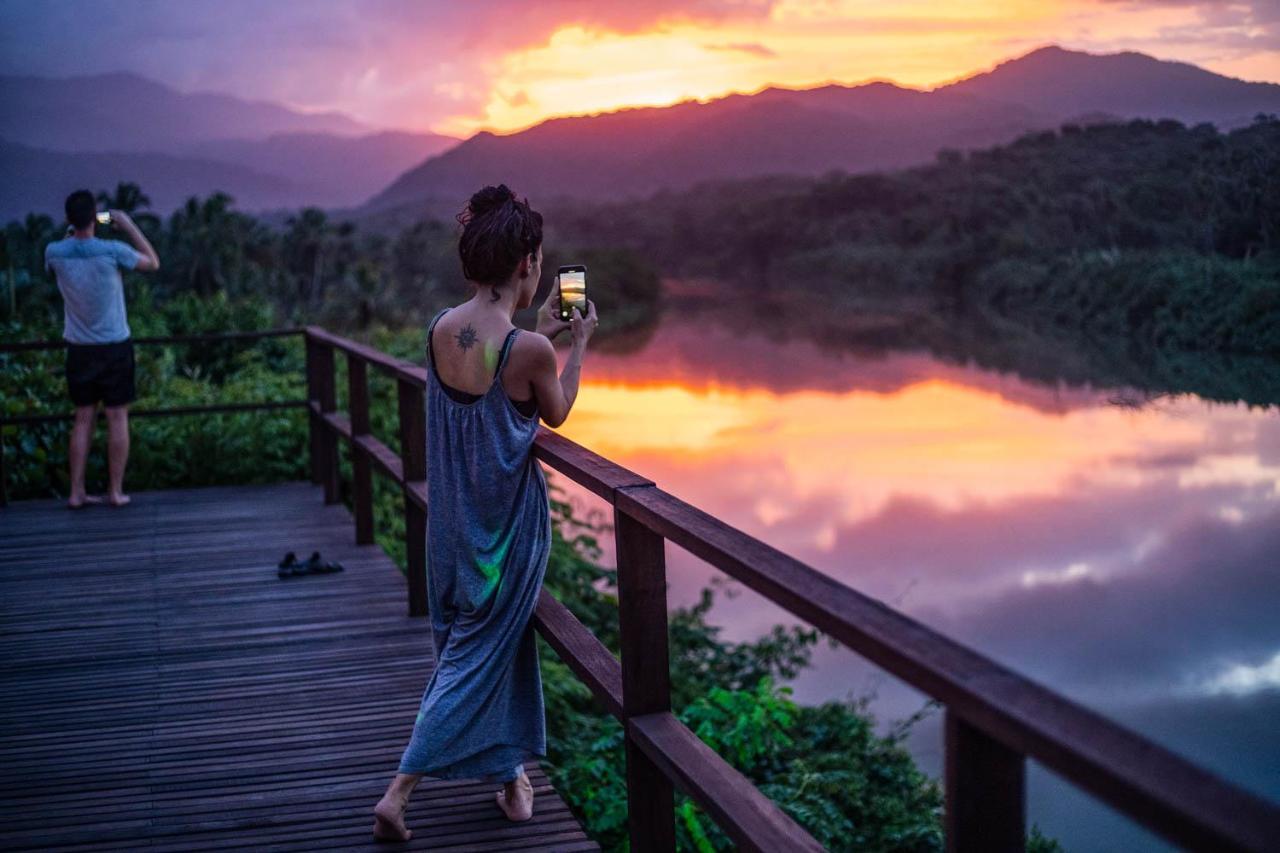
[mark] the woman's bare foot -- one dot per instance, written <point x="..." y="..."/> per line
<point x="118" y="499"/>
<point x="516" y="798"/>
<point x="82" y="501"/>
<point x="388" y="818"/>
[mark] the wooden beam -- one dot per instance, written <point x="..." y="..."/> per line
<point x="327" y="401"/>
<point x="413" y="458"/>
<point x="361" y="473"/>
<point x="986" y="797"/>
<point x="751" y="819"/>
<point x="585" y="468"/>
<point x="646" y="676"/>
<point x="581" y="651"/>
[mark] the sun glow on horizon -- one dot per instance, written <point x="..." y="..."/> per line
<point x="919" y="44"/>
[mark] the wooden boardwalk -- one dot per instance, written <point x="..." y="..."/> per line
<point x="164" y="690"/>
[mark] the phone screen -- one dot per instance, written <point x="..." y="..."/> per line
<point x="104" y="218"/>
<point x="573" y="292"/>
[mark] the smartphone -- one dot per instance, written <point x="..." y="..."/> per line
<point x="104" y="217"/>
<point x="573" y="290"/>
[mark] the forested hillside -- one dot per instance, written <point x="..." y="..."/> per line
<point x="1152" y="232"/>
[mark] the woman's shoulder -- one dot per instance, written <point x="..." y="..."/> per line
<point x="530" y="349"/>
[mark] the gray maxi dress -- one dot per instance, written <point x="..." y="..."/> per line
<point x="488" y="538"/>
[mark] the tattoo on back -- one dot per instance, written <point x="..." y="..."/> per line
<point x="467" y="337"/>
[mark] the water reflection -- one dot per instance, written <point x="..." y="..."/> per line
<point x="1124" y="554"/>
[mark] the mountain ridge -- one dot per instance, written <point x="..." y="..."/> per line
<point x="129" y="112"/>
<point x="148" y="129"/>
<point x="777" y="130"/>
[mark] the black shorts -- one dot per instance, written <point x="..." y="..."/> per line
<point x="100" y="372"/>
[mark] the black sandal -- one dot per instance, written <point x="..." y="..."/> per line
<point x="285" y="568"/>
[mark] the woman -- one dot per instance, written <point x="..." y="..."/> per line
<point x="489" y="527"/>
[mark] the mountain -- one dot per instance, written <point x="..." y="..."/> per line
<point x="125" y="112"/>
<point x="127" y="128"/>
<point x="327" y="170"/>
<point x="37" y="181"/>
<point x="783" y="131"/>
<point x="1068" y="83"/>
<point x="637" y="152"/>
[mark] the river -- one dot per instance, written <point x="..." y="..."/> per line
<point x="1118" y="546"/>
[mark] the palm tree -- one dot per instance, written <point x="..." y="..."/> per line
<point x="130" y="198"/>
<point x="307" y="244"/>
<point x="207" y="243"/>
<point x="23" y="247"/>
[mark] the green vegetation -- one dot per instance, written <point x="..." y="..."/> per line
<point x="309" y="270"/>
<point x="1147" y="233"/>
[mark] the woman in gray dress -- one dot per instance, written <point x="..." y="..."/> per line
<point x="488" y="527"/>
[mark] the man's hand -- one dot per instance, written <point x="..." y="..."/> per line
<point x="549" y="322"/>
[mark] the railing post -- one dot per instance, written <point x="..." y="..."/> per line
<point x="361" y="470"/>
<point x="313" y="397"/>
<point x="328" y="438"/>
<point x="986" y="800"/>
<point x="413" y="457"/>
<point x="4" y="492"/>
<point x="646" y="676"/>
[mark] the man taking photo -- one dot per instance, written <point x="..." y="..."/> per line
<point x="99" y="352"/>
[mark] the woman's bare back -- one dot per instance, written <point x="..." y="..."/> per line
<point x="466" y="346"/>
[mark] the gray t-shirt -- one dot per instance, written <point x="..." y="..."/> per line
<point x="88" y="274"/>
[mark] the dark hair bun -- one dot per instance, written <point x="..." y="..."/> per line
<point x="497" y="232"/>
<point x="490" y="199"/>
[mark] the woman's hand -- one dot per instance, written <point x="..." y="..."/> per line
<point x="549" y="322"/>
<point x="583" y="327"/>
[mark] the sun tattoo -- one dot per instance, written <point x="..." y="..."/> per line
<point x="467" y="337"/>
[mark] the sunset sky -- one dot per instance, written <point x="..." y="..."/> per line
<point x="458" y="67"/>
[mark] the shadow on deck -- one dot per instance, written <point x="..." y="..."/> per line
<point x="163" y="689"/>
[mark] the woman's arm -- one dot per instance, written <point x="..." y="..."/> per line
<point x="556" y="394"/>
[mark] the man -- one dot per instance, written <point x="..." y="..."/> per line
<point x="99" y="352"/>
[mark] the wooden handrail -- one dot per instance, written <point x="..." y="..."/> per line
<point x="171" y="411"/>
<point x="219" y="337"/>
<point x="995" y="718"/>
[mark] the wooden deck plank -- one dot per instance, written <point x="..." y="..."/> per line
<point x="164" y="690"/>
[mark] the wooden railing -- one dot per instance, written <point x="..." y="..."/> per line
<point x="171" y="411"/>
<point x="995" y="719"/>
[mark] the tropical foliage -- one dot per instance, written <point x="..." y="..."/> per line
<point x="1150" y="233"/>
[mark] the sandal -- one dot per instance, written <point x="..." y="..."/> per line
<point x="289" y="567"/>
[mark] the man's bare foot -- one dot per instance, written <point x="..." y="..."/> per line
<point x="516" y="798"/>
<point x="119" y="500"/>
<point x="82" y="501"/>
<point x="388" y="819"/>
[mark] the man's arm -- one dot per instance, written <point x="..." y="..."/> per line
<point x="150" y="261"/>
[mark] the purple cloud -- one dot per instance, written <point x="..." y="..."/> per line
<point x="389" y="63"/>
